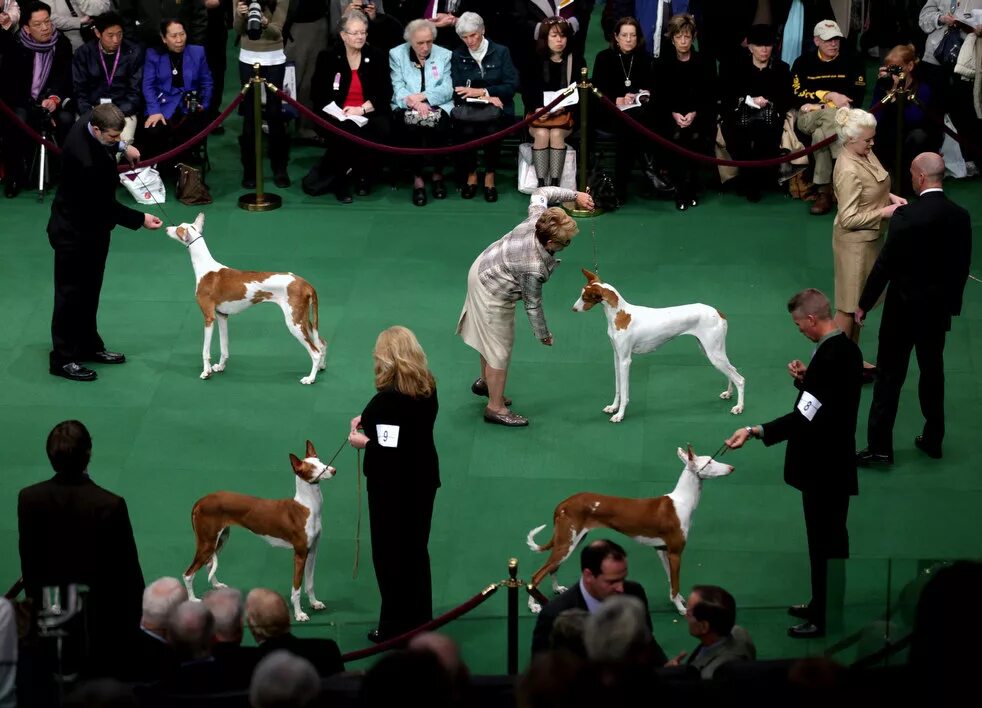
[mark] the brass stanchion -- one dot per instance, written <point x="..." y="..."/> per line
<point x="512" y="584"/>
<point x="898" y="96"/>
<point x="585" y="88"/>
<point x="260" y="201"/>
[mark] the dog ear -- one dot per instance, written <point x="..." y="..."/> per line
<point x="311" y="452"/>
<point x="692" y="453"/>
<point x="181" y="233"/>
<point x="590" y="277"/>
<point x="199" y="222"/>
<point x="683" y="456"/>
<point x="297" y="463"/>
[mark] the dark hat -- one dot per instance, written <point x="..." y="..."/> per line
<point x="761" y="35"/>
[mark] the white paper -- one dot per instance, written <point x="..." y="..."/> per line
<point x="808" y="405"/>
<point x="637" y="100"/>
<point x="477" y="100"/>
<point x="387" y="435"/>
<point x="333" y="110"/>
<point x="571" y="100"/>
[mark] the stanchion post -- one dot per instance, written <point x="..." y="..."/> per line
<point x="901" y="97"/>
<point x="260" y="200"/>
<point x="585" y="88"/>
<point x="512" y="616"/>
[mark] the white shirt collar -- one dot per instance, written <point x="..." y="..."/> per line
<point x="592" y="603"/>
<point x="931" y="189"/>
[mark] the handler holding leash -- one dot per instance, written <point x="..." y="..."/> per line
<point x="514" y="268"/>
<point x="83" y="215"/>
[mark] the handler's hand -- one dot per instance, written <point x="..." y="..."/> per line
<point x="132" y="154"/>
<point x="584" y="200"/>
<point x="737" y="439"/>
<point x="547" y="341"/>
<point x="151" y="222"/>
<point x="355" y="423"/>
<point x="677" y="661"/>
<point x="860" y="316"/>
<point x="358" y="440"/>
<point x="797" y="369"/>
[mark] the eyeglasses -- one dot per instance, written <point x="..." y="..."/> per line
<point x="37" y="24"/>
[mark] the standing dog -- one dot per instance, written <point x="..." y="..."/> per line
<point x="285" y="523"/>
<point x="660" y="522"/>
<point x="638" y="330"/>
<point x="224" y="291"/>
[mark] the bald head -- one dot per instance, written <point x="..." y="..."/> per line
<point x="226" y="606"/>
<point x="266" y="614"/>
<point x="191" y="630"/>
<point x="159" y="599"/>
<point x="927" y="171"/>
<point x="440" y="645"/>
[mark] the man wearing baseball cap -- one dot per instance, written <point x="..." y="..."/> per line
<point x="823" y="81"/>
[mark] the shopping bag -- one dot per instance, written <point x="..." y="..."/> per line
<point x="145" y="185"/>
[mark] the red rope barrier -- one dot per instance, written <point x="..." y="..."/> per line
<point x="470" y="145"/>
<point x="33" y="134"/>
<point x="429" y="626"/>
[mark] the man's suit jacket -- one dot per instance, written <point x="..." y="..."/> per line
<point x="737" y="646"/>
<point x="573" y="598"/>
<point x="925" y="260"/>
<point x="91" y="83"/>
<point x="324" y="654"/>
<point x="821" y="428"/>
<point x="18" y="73"/>
<point x="85" y="206"/>
<point x="74" y="531"/>
<point x="159" y="91"/>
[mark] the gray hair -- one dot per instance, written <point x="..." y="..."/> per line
<point x="352" y="16"/>
<point x="617" y="630"/>
<point x="107" y="116"/>
<point x="283" y="679"/>
<point x="191" y="629"/>
<point x="417" y="25"/>
<point x="850" y="122"/>
<point x="470" y="22"/>
<point x="227" y="607"/>
<point x="161" y="597"/>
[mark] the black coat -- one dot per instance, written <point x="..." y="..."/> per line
<point x="142" y="19"/>
<point x="90" y="82"/>
<point x="741" y="78"/>
<point x="610" y="69"/>
<point x="324" y="654"/>
<point x="498" y="76"/>
<point x="685" y="86"/>
<point x="821" y="453"/>
<point x="414" y="455"/>
<point x="926" y="261"/>
<point x="374" y="74"/>
<point x="18" y="73"/>
<point x="85" y="205"/>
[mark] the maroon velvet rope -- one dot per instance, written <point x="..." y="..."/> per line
<point x="429" y="626"/>
<point x="470" y="145"/>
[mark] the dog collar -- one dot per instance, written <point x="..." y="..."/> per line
<point x="188" y="244"/>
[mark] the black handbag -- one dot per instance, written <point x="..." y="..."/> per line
<point x="476" y="113"/>
<point x="87" y="32"/>
<point x="948" y="48"/>
<point x="747" y="116"/>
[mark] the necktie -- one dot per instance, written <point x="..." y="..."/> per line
<point x="430" y="9"/>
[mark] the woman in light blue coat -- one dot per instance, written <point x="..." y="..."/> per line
<point x="422" y="98"/>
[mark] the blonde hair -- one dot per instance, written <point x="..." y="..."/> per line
<point x="400" y="363"/>
<point x="555" y="225"/>
<point x="850" y="122"/>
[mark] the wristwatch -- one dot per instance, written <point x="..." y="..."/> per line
<point x="750" y="431"/>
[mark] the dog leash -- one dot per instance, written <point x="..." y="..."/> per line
<point x="147" y="190"/>
<point x="354" y="570"/>
<point x="719" y="453"/>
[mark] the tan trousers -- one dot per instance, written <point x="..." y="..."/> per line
<point x="820" y="125"/>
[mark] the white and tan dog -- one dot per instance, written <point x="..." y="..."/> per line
<point x="284" y="523"/>
<point x="660" y="522"/>
<point x="223" y="291"/>
<point x="638" y="330"/>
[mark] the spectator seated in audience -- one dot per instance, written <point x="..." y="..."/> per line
<point x="755" y="90"/>
<point x="385" y="31"/>
<point x="284" y="679"/>
<point x="177" y="90"/>
<point x="422" y="98"/>
<point x="407" y="678"/>
<point x="567" y="632"/>
<point x="485" y="81"/>
<point x="447" y="653"/>
<point x="354" y="76"/>
<point x="37" y="86"/>
<point x="793" y="20"/>
<point x="237" y="661"/>
<point x="149" y="655"/>
<point x="109" y="69"/>
<point x="624" y="74"/>
<point x="269" y="621"/>
<point x="823" y="81"/>
<point x="73" y="18"/>
<point x="555" y="69"/>
<point x="921" y="134"/>
<point x="529" y="16"/>
<point x="685" y="106"/>
<point x="9" y="15"/>
<point x="711" y="614"/>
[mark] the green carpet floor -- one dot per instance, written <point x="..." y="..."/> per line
<point x="163" y="438"/>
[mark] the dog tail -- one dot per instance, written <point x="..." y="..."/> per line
<point x="313" y="309"/>
<point x="530" y="540"/>
<point x="222" y="538"/>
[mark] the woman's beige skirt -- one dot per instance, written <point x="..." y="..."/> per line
<point x="853" y="262"/>
<point x="486" y="323"/>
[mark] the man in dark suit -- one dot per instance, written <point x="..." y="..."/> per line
<point x="603" y="566"/>
<point x="821" y="433"/>
<point x="926" y="287"/>
<point x="269" y="621"/>
<point x="237" y="661"/>
<point x="83" y="215"/>
<point x="711" y="614"/>
<point x="149" y="656"/>
<point x="71" y="530"/>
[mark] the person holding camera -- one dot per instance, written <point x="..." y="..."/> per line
<point x="37" y="85"/>
<point x="9" y="15"/>
<point x="259" y="24"/>
<point x="177" y="89"/>
<point x="74" y="18"/>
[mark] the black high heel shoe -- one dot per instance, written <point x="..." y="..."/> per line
<point x="439" y="189"/>
<point x="490" y="194"/>
<point x="419" y="196"/>
<point x="468" y="191"/>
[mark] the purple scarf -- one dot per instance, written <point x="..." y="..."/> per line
<point x="44" y="57"/>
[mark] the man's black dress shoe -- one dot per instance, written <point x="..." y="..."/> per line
<point x="491" y="194"/>
<point x="281" y="180"/>
<point x="439" y="189"/>
<point x="248" y="183"/>
<point x="806" y="630"/>
<point x="932" y="451"/>
<point x="105" y="357"/>
<point x="468" y="191"/>
<point x="869" y="458"/>
<point x="799" y="611"/>
<point x="419" y="196"/>
<point x="73" y="372"/>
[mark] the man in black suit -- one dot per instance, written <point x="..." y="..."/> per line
<point x="269" y="621"/>
<point x="71" y="530"/>
<point x="603" y="566"/>
<point x="926" y="286"/>
<point x="821" y="433"/>
<point x="83" y="215"/>
<point x="149" y="655"/>
<point x="238" y="662"/>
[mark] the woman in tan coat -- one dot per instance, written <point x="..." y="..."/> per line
<point x="862" y="189"/>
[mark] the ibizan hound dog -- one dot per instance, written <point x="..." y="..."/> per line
<point x="223" y="291"/>
<point x="638" y="330"/>
<point x="285" y="523"/>
<point x="660" y="522"/>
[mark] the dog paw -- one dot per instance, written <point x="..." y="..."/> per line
<point x="218" y="585"/>
<point x="736" y="410"/>
<point x="560" y="589"/>
<point x="679" y="604"/>
<point x="725" y="395"/>
<point x="617" y="418"/>
<point x="318" y="605"/>
<point x="534" y="607"/>
<point x="304" y="617"/>
<point x="307" y="380"/>
<point x="206" y="374"/>
<point x="218" y="368"/>
<point x="611" y="408"/>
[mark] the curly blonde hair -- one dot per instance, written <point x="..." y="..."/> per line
<point x="400" y="363"/>
<point x="850" y="122"/>
<point x="555" y="225"/>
